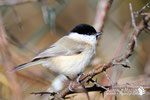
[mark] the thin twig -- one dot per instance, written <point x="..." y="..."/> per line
<point x="141" y="10"/>
<point x="15" y="2"/>
<point x="132" y="16"/>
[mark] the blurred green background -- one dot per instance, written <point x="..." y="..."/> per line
<point x="29" y="26"/>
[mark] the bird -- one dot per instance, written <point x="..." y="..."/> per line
<point x="69" y="55"/>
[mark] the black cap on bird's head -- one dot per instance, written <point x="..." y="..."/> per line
<point x="85" y="29"/>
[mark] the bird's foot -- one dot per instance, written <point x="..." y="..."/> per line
<point x="79" y="76"/>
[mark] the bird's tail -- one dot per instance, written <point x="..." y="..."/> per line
<point x="28" y="64"/>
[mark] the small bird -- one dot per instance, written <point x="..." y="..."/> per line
<point x="70" y="55"/>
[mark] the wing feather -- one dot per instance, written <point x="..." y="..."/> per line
<point x="61" y="48"/>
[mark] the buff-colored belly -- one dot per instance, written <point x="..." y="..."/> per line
<point x="69" y="65"/>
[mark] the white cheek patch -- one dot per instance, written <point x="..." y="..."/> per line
<point x="91" y="39"/>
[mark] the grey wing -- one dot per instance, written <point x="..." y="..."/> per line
<point x="61" y="48"/>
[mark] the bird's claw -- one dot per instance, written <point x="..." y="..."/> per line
<point x="79" y="76"/>
<point x="70" y="86"/>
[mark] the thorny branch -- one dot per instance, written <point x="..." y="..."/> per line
<point x="130" y="48"/>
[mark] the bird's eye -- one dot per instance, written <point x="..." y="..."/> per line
<point x="79" y="52"/>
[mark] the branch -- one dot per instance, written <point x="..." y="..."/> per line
<point x="140" y="12"/>
<point x="118" y="89"/>
<point x="101" y="14"/>
<point x="15" y="2"/>
<point x="132" y="16"/>
<point x="122" y="89"/>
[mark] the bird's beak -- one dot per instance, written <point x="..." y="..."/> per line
<point x="98" y="33"/>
